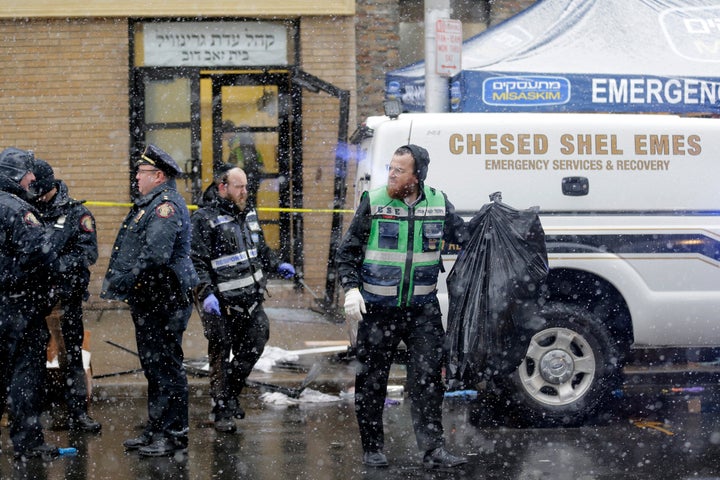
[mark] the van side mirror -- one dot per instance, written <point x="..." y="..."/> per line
<point x="575" y="186"/>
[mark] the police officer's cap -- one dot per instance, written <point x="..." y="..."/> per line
<point x="422" y="160"/>
<point x="161" y="160"/>
<point x="44" y="178"/>
<point x="16" y="163"/>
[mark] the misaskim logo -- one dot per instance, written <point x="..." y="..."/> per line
<point x="693" y="32"/>
<point x="527" y="91"/>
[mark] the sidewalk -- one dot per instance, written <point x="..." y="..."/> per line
<point x="291" y="328"/>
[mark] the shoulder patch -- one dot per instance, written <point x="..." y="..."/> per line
<point x="165" y="210"/>
<point x="86" y="223"/>
<point x="31" y="219"/>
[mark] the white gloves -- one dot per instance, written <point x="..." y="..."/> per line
<point x="354" y="308"/>
<point x="354" y="305"/>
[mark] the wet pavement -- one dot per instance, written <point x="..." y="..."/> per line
<point x="320" y="441"/>
<point x="648" y="435"/>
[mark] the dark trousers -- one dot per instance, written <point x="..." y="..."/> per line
<point x="159" y="333"/>
<point x="23" y="344"/>
<point x="71" y="363"/>
<point x="244" y="334"/>
<point x="379" y="334"/>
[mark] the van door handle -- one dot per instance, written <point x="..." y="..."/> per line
<point x="575" y="186"/>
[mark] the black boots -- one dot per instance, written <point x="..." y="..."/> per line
<point x="84" y="423"/>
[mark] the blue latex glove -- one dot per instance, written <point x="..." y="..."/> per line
<point x="286" y="270"/>
<point x="211" y="304"/>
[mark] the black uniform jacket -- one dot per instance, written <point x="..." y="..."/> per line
<point x="25" y="251"/>
<point x="221" y="231"/>
<point x="151" y="255"/>
<point x="73" y="234"/>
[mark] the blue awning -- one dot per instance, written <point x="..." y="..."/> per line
<point x="586" y="56"/>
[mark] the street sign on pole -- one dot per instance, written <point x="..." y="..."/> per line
<point x="448" y="45"/>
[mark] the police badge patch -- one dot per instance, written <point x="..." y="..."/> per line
<point x="86" y="223"/>
<point x="165" y="210"/>
<point x="31" y="219"/>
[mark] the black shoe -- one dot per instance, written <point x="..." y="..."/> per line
<point x="441" y="458"/>
<point x="375" y="459"/>
<point x="137" y="442"/>
<point x="44" y="450"/>
<point x="84" y="423"/>
<point x="225" y="425"/>
<point x="239" y="413"/>
<point x="162" y="447"/>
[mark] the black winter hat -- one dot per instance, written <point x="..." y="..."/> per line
<point x="15" y="163"/>
<point x="220" y="170"/>
<point x="44" y="178"/>
<point x="422" y="160"/>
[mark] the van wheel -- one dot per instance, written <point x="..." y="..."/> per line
<point x="569" y="369"/>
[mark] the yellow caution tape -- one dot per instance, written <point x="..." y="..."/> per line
<point x="259" y="209"/>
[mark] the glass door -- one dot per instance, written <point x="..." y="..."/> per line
<point x="165" y="113"/>
<point x="244" y="122"/>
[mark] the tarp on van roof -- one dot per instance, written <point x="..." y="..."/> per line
<point x="586" y="56"/>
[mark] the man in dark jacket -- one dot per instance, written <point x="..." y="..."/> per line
<point x="231" y="257"/>
<point x="72" y="229"/>
<point x="25" y="259"/>
<point x="151" y="270"/>
<point x="219" y="172"/>
<point x="388" y="263"/>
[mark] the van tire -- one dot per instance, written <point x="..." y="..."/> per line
<point x="569" y="369"/>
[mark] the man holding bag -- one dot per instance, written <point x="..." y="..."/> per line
<point x="388" y="263"/>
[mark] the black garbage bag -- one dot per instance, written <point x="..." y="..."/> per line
<point x="499" y="271"/>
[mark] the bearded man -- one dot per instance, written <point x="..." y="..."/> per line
<point x="388" y="263"/>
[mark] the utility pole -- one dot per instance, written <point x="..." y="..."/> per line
<point x="436" y="86"/>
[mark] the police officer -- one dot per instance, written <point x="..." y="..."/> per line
<point x="388" y="263"/>
<point x="72" y="229"/>
<point x="25" y="259"/>
<point x="231" y="257"/>
<point x="151" y="270"/>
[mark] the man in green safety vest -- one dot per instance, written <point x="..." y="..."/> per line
<point x="388" y="264"/>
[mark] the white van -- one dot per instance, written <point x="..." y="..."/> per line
<point x="630" y="205"/>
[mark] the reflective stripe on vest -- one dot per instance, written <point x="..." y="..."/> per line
<point x="221" y="219"/>
<point x="241" y="282"/>
<point x="394" y="257"/>
<point x="393" y="291"/>
<point x="234" y="259"/>
<point x="402" y="256"/>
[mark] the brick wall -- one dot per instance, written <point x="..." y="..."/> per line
<point x="376" y="33"/>
<point x="65" y="95"/>
<point x="328" y="52"/>
<point x="504" y="9"/>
